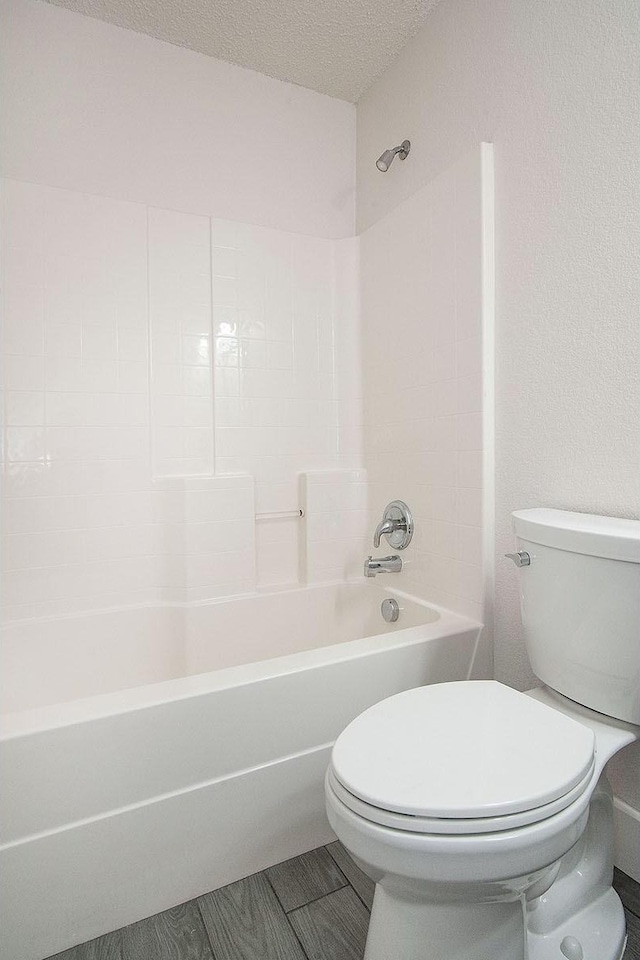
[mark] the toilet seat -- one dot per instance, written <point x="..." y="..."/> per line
<point x="463" y="757"/>
<point x="455" y="826"/>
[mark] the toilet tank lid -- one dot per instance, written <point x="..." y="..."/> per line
<point x="586" y="533"/>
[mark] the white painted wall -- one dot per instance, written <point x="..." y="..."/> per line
<point x="553" y="85"/>
<point x="95" y="108"/>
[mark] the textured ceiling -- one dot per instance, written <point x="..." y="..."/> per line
<point x="337" y="47"/>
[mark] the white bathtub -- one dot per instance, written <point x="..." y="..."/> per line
<point x="149" y="755"/>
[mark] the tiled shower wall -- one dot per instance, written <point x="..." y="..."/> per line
<point x="178" y="387"/>
<point x="167" y="379"/>
<point x="422" y="359"/>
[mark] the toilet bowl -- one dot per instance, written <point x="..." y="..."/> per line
<point x="483" y="814"/>
<point x="461" y="800"/>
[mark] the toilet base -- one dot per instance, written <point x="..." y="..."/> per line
<point x="578" y="915"/>
<point x="595" y="933"/>
<point x="581" y="908"/>
<point x="411" y="930"/>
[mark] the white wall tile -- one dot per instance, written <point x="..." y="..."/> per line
<point x="181" y="361"/>
<point x="276" y="392"/>
<point x="24" y="408"/>
<point x="336" y="524"/>
<point x="470" y="394"/>
<point x="469" y="427"/>
<point x="24" y="373"/>
<point x="99" y="343"/>
<point x="23" y="332"/>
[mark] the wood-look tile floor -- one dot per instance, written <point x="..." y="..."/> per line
<point x="314" y="907"/>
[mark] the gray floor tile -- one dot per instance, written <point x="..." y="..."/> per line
<point x="305" y="878"/>
<point x="176" y="934"/>
<point x="333" y="928"/>
<point x="246" y="922"/>
<point x="108" y="947"/>
<point x="633" y="932"/>
<point x="360" y="882"/>
<point x="628" y="891"/>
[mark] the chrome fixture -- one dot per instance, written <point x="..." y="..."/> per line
<point x="390" y="610"/>
<point x="385" y="159"/>
<point x="382" y="565"/>
<point x="396" y="525"/>
<point x="521" y="558"/>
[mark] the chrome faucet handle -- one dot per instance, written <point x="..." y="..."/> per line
<point x="396" y="525"/>
<point x="385" y="527"/>
<point x="521" y="558"/>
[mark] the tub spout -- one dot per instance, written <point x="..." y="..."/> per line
<point x="381" y="565"/>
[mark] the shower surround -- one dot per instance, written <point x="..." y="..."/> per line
<point x="168" y="378"/>
<point x="179" y="388"/>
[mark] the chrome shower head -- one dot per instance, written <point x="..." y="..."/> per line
<point x="385" y="159"/>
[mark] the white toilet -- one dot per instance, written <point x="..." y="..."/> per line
<point x="483" y="814"/>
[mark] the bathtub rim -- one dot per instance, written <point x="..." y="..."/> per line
<point x="42" y="719"/>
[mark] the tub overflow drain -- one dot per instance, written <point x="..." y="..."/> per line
<point x="390" y="610"/>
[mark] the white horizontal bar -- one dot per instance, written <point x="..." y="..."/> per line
<point x="281" y="515"/>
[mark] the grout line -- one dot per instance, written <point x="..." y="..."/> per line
<point x="313" y="900"/>
<point x="196" y="900"/>
<point x="150" y="358"/>
<point x="360" y="898"/>
<point x="212" y="355"/>
<point x="286" y="916"/>
<point x="321" y="897"/>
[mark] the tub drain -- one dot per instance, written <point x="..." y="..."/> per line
<point x="390" y="610"/>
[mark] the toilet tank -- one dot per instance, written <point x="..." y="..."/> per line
<point x="580" y="600"/>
